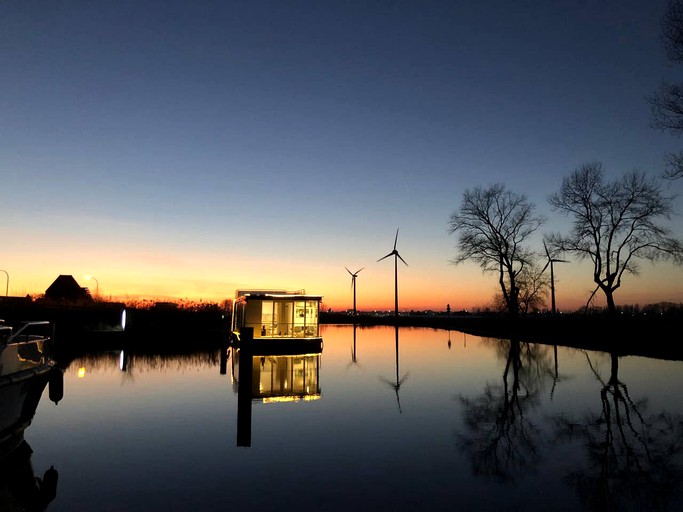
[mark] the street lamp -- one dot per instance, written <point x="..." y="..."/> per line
<point x="97" y="284"/>
<point x="7" y="285"/>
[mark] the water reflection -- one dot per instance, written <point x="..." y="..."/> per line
<point x="354" y="354"/>
<point x="556" y="377"/>
<point x="398" y="382"/>
<point x="271" y="379"/>
<point x="152" y="432"/>
<point x="501" y="438"/>
<point x="130" y="363"/>
<point x="631" y="456"/>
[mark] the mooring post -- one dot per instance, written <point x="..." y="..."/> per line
<point x="244" y="386"/>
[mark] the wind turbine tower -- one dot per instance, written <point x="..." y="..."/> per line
<point x="397" y="257"/>
<point x="353" y="285"/>
<point x="552" y="276"/>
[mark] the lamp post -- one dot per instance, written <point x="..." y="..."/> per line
<point x="7" y="285"/>
<point x="97" y="284"/>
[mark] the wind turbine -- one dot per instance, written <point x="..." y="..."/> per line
<point x="396" y="256"/>
<point x="552" y="276"/>
<point x="353" y="285"/>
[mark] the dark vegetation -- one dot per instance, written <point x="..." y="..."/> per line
<point x="83" y="325"/>
<point x="186" y="327"/>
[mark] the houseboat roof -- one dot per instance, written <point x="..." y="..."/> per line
<point x="276" y="294"/>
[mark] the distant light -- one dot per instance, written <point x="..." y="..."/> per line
<point x="81" y="372"/>
<point x="123" y="320"/>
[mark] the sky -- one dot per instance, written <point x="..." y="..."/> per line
<point x="175" y="149"/>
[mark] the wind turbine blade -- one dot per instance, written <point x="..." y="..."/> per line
<point x="399" y="257"/>
<point x="385" y="257"/>
<point x="546" y="250"/>
<point x="357" y="271"/>
<point x="546" y="266"/>
<point x="560" y="261"/>
<point x="396" y="239"/>
<point x="348" y="270"/>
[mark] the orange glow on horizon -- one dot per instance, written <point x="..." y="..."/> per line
<point x="128" y="275"/>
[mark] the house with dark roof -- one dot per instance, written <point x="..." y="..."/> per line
<point x="65" y="287"/>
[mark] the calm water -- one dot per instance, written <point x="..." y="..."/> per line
<point x="442" y="420"/>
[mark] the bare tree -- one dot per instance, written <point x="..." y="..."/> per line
<point x="494" y="226"/>
<point x="533" y="291"/>
<point x="615" y="224"/>
<point x="674" y="166"/>
<point x="533" y="286"/>
<point x="667" y="102"/>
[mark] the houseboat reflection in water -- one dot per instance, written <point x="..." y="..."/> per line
<point x="279" y="378"/>
<point x="270" y="378"/>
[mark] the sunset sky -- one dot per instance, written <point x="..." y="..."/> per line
<point x="176" y="149"/>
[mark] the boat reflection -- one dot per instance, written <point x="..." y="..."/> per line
<point x="270" y="378"/>
<point x="277" y="378"/>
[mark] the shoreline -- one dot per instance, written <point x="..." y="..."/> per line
<point x="624" y="336"/>
<point x="98" y="326"/>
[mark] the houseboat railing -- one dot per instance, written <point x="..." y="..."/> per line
<point x="283" y="330"/>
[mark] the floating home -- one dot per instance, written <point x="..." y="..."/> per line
<point x="282" y="321"/>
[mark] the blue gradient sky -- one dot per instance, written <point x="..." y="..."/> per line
<point x="187" y="149"/>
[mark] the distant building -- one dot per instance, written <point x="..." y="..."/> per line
<point x="65" y="287"/>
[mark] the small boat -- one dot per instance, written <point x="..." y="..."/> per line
<point x="26" y="367"/>
<point x="281" y="322"/>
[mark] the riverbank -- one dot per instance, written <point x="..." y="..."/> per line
<point x="107" y="325"/>
<point x="643" y="335"/>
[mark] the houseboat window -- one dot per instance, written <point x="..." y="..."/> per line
<point x="279" y="318"/>
<point x="283" y="318"/>
<point x="312" y="318"/>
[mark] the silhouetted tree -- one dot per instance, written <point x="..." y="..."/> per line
<point x="493" y="227"/>
<point x="533" y="290"/>
<point x="667" y="102"/>
<point x="615" y="224"/>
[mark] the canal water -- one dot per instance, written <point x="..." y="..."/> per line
<point x="382" y="419"/>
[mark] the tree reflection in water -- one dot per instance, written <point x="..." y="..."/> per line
<point x="500" y="437"/>
<point x="631" y="458"/>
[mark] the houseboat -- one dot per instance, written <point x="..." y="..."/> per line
<point x="283" y="322"/>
